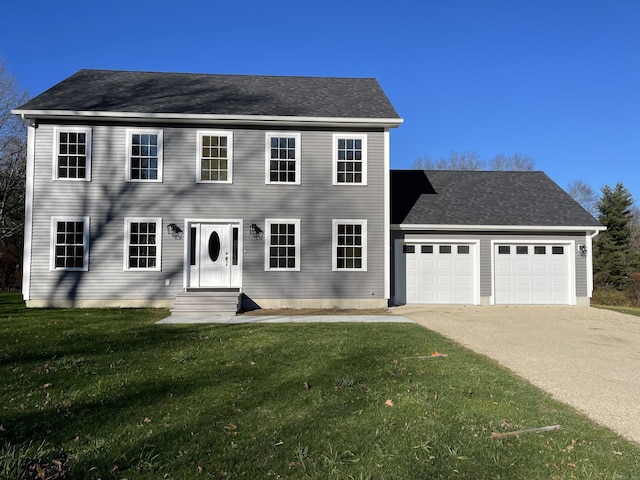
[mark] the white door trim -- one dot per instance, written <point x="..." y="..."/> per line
<point x="236" y="273"/>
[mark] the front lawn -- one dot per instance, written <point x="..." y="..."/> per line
<point x="108" y="394"/>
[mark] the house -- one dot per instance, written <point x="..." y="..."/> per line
<point x="198" y="192"/>
<point x="161" y="189"/>
<point x="485" y="238"/>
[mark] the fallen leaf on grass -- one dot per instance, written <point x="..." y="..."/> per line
<point x="294" y="464"/>
<point x="389" y="403"/>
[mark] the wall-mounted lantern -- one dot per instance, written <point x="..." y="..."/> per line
<point x="174" y="230"/>
<point x="255" y="231"/>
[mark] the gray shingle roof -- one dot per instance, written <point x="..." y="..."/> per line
<point x="183" y="93"/>
<point x="444" y="197"/>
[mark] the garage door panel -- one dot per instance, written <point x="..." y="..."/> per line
<point x="442" y="274"/>
<point x="529" y="277"/>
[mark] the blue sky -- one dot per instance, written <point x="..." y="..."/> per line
<point x="557" y="80"/>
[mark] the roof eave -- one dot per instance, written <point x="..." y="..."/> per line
<point x="211" y="118"/>
<point x="505" y="228"/>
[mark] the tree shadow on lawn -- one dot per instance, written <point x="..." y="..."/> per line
<point x="254" y="388"/>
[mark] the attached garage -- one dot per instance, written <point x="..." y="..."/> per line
<point x="487" y="238"/>
<point x="532" y="274"/>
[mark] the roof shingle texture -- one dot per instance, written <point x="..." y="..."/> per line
<point x="447" y="197"/>
<point x="185" y="93"/>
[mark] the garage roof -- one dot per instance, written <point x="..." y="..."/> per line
<point x="492" y="198"/>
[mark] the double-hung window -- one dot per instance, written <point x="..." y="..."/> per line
<point x="144" y="155"/>
<point x="215" y="157"/>
<point x="350" y="245"/>
<point x="283" y="157"/>
<point x="349" y="159"/>
<point x="72" y="153"/>
<point x="282" y="244"/>
<point x="142" y="243"/>
<point x="70" y="243"/>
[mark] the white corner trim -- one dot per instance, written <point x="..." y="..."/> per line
<point x="28" y="214"/>
<point x="387" y="216"/>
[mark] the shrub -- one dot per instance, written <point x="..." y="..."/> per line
<point x="633" y="288"/>
<point x="611" y="297"/>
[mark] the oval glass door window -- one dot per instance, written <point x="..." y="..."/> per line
<point x="214" y="246"/>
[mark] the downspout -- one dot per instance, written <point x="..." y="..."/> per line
<point x="589" y="245"/>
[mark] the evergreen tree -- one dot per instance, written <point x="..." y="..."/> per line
<point x="614" y="255"/>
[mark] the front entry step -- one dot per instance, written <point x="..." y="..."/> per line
<point x="202" y="301"/>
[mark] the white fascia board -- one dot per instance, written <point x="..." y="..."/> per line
<point x="213" y="118"/>
<point x="505" y="228"/>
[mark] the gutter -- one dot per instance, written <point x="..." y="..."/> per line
<point x="505" y="228"/>
<point x="278" y="120"/>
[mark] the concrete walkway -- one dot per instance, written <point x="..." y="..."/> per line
<point x="235" y="319"/>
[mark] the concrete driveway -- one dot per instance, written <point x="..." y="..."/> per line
<point x="585" y="357"/>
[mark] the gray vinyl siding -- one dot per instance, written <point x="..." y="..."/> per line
<point x="486" y="238"/>
<point x="107" y="199"/>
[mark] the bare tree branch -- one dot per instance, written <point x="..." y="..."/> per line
<point x="13" y="152"/>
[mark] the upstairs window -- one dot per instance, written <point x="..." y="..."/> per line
<point x="144" y="155"/>
<point x="72" y="153"/>
<point x="215" y="154"/>
<point x="350" y="245"/>
<point x="70" y="243"/>
<point x="283" y="244"/>
<point x="349" y="159"/>
<point x="142" y="243"/>
<point x="283" y="158"/>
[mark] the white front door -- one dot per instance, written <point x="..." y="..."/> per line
<point x="215" y="255"/>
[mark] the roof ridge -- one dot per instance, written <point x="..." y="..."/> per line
<point x="249" y="75"/>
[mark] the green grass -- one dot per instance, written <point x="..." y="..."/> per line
<point x="108" y="394"/>
<point x="628" y="310"/>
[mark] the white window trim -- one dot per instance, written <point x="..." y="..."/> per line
<point x="267" y="244"/>
<point x="334" y="244"/>
<point x="130" y="133"/>
<point x="127" y="231"/>
<point x="85" y="233"/>
<point x="56" y="152"/>
<point x="267" y="154"/>
<point x="217" y="133"/>
<point x="350" y="136"/>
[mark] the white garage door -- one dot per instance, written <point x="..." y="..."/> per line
<point x="532" y="274"/>
<point x="440" y="273"/>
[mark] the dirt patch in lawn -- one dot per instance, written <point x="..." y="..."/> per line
<point x="317" y="311"/>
